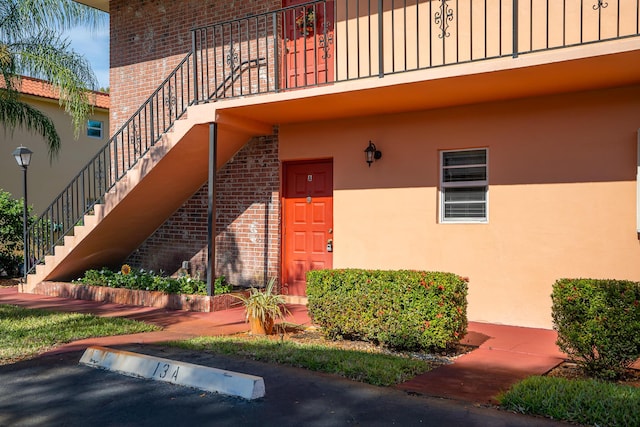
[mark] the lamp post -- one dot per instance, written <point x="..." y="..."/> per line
<point x="23" y="158"/>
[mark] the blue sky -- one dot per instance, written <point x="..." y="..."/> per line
<point x="93" y="45"/>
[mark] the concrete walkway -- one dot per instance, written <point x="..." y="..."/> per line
<point x="505" y="354"/>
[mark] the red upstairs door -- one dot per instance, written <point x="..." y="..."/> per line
<point x="308" y="43"/>
<point x="308" y="222"/>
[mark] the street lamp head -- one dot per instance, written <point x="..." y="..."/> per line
<point x="23" y="156"/>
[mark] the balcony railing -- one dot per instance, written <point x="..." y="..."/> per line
<point x="324" y="42"/>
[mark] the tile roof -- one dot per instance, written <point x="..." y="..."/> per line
<point x="43" y="89"/>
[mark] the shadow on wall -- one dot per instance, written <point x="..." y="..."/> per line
<point x="228" y="262"/>
<point x="247" y="226"/>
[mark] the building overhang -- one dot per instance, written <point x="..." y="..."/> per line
<point x="589" y="67"/>
<point x="102" y="5"/>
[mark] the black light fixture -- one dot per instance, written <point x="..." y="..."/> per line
<point x="23" y="158"/>
<point x="371" y="153"/>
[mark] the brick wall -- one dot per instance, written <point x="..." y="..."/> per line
<point x="150" y="37"/>
<point x="247" y="222"/>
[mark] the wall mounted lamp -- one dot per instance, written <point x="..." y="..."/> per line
<point x="371" y="153"/>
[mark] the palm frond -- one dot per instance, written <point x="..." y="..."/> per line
<point x="30" y="44"/>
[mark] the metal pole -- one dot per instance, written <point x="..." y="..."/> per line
<point x="195" y="66"/>
<point x="380" y="40"/>
<point x="211" y="228"/>
<point x="24" y="224"/>
<point x="515" y="28"/>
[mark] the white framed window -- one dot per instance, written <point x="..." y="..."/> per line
<point x="464" y="185"/>
<point x="94" y="129"/>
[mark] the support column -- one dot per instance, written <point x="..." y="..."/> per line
<point x="638" y="187"/>
<point x="211" y="208"/>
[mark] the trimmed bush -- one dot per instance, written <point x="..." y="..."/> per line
<point x="404" y="310"/>
<point x="598" y="324"/>
<point x="139" y="279"/>
<point x="11" y="238"/>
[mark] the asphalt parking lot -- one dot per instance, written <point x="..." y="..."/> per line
<point x="57" y="391"/>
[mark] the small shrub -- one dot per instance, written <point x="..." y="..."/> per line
<point x="407" y="310"/>
<point x="140" y="279"/>
<point x="11" y="238"/>
<point x="598" y="324"/>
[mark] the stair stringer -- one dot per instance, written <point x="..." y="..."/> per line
<point x="160" y="182"/>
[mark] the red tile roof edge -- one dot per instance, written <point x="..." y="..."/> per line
<point x="43" y="89"/>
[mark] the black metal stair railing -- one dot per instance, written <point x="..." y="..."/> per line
<point x="136" y="136"/>
<point x="132" y="141"/>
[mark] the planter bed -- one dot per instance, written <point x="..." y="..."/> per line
<point x="135" y="297"/>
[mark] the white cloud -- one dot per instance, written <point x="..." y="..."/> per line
<point x="93" y="45"/>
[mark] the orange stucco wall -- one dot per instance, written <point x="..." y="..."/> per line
<point x="562" y="195"/>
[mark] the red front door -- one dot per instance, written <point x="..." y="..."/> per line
<point x="308" y="222"/>
<point x="308" y="44"/>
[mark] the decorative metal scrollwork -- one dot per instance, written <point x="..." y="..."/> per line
<point x="325" y="42"/>
<point x="135" y="140"/>
<point x="232" y="58"/>
<point x="443" y="17"/>
<point x="100" y="176"/>
<point x="601" y="5"/>
<point x="170" y="102"/>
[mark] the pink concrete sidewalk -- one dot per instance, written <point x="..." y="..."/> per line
<point x="505" y="355"/>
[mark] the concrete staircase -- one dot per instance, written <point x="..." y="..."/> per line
<point x="159" y="183"/>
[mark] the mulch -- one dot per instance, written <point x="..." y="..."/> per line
<point x="571" y="371"/>
<point x="4" y="282"/>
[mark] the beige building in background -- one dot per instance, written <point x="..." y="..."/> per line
<point x="47" y="178"/>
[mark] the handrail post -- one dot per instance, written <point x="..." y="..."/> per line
<point x="151" y="124"/>
<point x="515" y="28"/>
<point x="380" y="40"/>
<point x="276" y="54"/>
<point x="195" y="66"/>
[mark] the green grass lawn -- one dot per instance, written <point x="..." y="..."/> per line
<point x="373" y="368"/>
<point x="25" y="332"/>
<point x="588" y="402"/>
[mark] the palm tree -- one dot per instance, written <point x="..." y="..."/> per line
<point x="31" y="44"/>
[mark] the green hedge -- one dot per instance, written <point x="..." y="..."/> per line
<point x="11" y="238"/>
<point x="140" y="279"/>
<point x="408" y="310"/>
<point x="598" y="323"/>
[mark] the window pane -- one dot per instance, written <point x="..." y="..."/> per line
<point x="465" y="174"/>
<point x="461" y="158"/>
<point x="94" y="129"/>
<point x="464" y="185"/>
<point x="465" y="194"/>
<point x="465" y="211"/>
